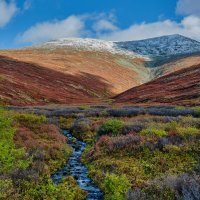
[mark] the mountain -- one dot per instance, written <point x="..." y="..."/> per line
<point x="178" y="88"/>
<point x="90" y="45"/>
<point x="170" y="45"/>
<point x="165" y="46"/>
<point x="72" y="60"/>
<point x="74" y="70"/>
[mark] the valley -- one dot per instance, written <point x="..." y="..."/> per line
<point x="87" y="119"/>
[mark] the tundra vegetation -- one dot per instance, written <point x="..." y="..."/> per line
<point x="31" y="150"/>
<point x="131" y="152"/>
<point x="142" y="153"/>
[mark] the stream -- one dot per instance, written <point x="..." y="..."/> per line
<point x="75" y="168"/>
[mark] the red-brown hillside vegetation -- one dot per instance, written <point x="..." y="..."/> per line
<point x="23" y="83"/>
<point x="118" y="71"/>
<point x="181" y="88"/>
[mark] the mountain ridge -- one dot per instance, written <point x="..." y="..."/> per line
<point x="113" y="71"/>
<point x="169" y="45"/>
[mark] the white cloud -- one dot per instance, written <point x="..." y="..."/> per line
<point x="188" y="7"/>
<point x="73" y="26"/>
<point x="189" y="26"/>
<point x="104" y="25"/>
<point x="7" y="11"/>
<point x="86" y="25"/>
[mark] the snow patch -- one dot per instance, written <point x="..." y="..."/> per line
<point x="147" y="49"/>
<point x="91" y="45"/>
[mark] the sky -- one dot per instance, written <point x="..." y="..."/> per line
<point x="29" y="22"/>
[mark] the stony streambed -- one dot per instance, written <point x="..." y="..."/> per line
<point x="75" y="168"/>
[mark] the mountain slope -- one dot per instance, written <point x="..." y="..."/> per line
<point x="179" y="88"/>
<point x="90" y="45"/>
<point x="176" y="65"/>
<point x="164" y="46"/>
<point x="108" y="66"/>
<point x="23" y="83"/>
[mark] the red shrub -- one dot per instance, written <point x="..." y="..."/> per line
<point x="104" y="143"/>
<point x="172" y="133"/>
<point x="108" y="144"/>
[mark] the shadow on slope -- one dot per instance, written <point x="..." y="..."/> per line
<point x="24" y="83"/>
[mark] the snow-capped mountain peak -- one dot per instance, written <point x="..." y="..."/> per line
<point x="89" y="44"/>
<point x="165" y="46"/>
<point x="162" y="46"/>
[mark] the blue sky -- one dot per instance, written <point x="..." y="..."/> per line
<point x="27" y="22"/>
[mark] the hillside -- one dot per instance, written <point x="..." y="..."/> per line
<point x="109" y="66"/>
<point x="24" y="83"/>
<point x="179" y="88"/>
<point x="77" y="71"/>
<point x="175" y="65"/>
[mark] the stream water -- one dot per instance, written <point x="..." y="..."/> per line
<point x="75" y="168"/>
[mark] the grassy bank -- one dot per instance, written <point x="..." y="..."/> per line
<point x="31" y="150"/>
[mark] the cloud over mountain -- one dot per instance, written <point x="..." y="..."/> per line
<point x="72" y="26"/>
<point x="188" y="7"/>
<point x="7" y="11"/>
<point x="104" y="26"/>
<point x="189" y="26"/>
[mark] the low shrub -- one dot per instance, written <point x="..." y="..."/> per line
<point x="189" y="131"/>
<point x="153" y="132"/>
<point x="104" y="144"/>
<point x="170" y="112"/>
<point x="189" y="122"/>
<point x="126" y="112"/>
<point x="116" y="187"/>
<point x="129" y="142"/>
<point x="66" y="123"/>
<point x="137" y="127"/>
<point x="29" y="120"/>
<point x="113" y="144"/>
<point x="84" y="107"/>
<point x="197" y="111"/>
<point x="82" y="129"/>
<point x="111" y="127"/>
